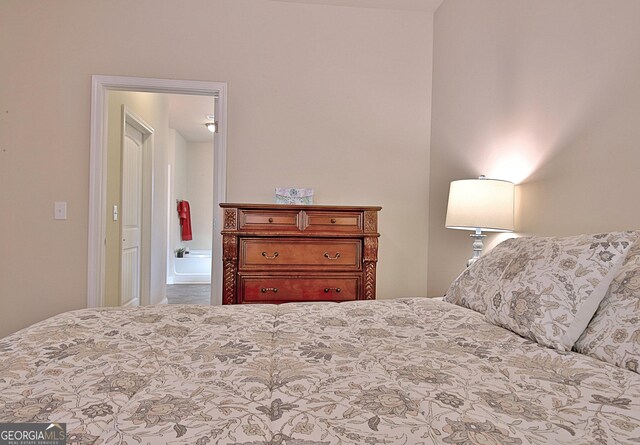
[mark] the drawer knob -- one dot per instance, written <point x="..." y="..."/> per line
<point x="327" y="289"/>
<point x="333" y="221"/>
<point x="272" y="257"/>
<point x="269" y="289"/>
<point x="329" y="257"/>
<point x="270" y="219"/>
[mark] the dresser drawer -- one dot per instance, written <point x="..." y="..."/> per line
<point x="335" y="222"/>
<point x="267" y="220"/>
<point x="256" y="289"/>
<point x="300" y="254"/>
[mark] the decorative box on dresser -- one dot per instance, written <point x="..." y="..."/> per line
<point x="278" y="253"/>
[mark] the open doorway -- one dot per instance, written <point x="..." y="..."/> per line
<point x="101" y="210"/>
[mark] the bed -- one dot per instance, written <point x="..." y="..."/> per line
<point x="404" y="371"/>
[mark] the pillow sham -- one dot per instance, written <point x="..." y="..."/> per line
<point x="552" y="289"/>
<point x="613" y="335"/>
<point x="471" y="288"/>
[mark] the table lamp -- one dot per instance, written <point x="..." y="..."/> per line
<point x="480" y="205"/>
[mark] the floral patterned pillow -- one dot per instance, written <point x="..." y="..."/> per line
<point x="552" y="289"/>
<point x="613" y="335"/>
<point x="472" y="287"/>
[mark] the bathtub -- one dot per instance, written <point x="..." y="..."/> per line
<point x="195" y="267"/>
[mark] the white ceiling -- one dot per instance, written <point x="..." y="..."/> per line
<point x="188" y="114"/>
<point x="408" y="5"/>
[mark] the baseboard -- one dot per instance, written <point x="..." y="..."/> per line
<point x="132" y="303"/>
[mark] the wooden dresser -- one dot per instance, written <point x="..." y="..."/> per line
<point x="282" y="253"/>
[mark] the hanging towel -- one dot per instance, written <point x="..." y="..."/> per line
<point x="185" y="220"/>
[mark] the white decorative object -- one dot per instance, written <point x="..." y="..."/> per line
<point x="291" y="195"/>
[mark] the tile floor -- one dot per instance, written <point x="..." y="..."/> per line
<point x="189" y="293"/>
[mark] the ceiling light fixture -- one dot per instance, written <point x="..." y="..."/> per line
<point x="211" y="126"/>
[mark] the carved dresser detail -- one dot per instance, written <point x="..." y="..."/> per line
<point x="275" y="253"/>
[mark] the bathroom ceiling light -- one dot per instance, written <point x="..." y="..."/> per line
<point x="211" y="126"/>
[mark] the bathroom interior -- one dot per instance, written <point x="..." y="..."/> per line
<point x="190" y="182"/>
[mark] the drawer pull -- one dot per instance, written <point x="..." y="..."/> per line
<point x="329" y="257"/>
<point x="274" y="256"/>
<point x="327" y="289"/>
<point x="333" y="221"/>
<point x="270" y="220"/>
<point x="270" y="289"/>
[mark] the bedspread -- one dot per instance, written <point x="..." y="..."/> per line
<point x="407" y="371"/>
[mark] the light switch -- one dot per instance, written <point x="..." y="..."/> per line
<point x="60" y="210"/>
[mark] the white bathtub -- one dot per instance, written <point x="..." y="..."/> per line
<point x="194" y="267"/>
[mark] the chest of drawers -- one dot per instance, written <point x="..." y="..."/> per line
<point x="282" y="253"/>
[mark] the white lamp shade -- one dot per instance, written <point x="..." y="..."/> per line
<point x="485" y="204"/>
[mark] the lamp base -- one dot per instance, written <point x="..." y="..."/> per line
<point x="478" y="245"/>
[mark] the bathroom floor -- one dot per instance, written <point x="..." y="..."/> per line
<point x="189" y="293"/>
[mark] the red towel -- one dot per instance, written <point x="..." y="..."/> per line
<point x="185" y="220"/>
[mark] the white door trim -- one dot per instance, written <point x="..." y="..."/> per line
<point x="100" y="86"/>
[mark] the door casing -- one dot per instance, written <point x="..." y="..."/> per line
<point x="100" y="86"/>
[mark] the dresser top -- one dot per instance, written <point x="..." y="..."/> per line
<point x="298" y="207"/>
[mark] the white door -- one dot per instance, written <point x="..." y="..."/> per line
<point x="131" y="216"/>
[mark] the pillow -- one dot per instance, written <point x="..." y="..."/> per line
<point x="613" y="335"/>
<point x="550" y="292"/>
<point x="471" y="288"/>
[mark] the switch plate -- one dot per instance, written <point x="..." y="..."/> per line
<point x="60" y="210"/>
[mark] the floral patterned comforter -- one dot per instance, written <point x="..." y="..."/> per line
<point x="409" y="371"/>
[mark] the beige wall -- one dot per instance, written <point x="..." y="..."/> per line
<point x="334" y="98"/>
<point x="546" y="94"/>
